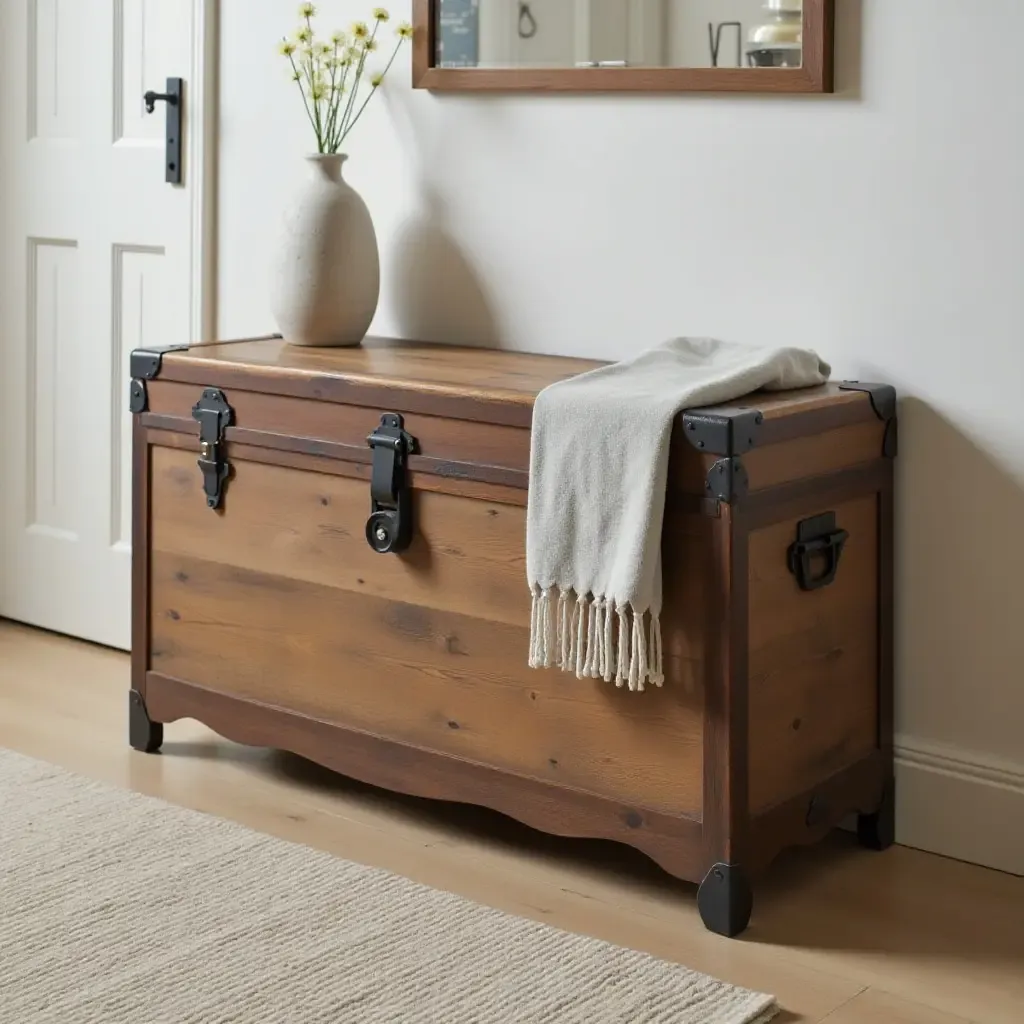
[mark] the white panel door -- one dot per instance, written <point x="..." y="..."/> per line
<point x="100" y="255"/>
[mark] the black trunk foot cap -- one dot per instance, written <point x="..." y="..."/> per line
<point x="143" y="733"/>
<point x="725" y="900"/>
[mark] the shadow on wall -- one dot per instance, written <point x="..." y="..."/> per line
<point x="438" y="296"/>
<point x="849" y="48"/>
<point x="960" y="656"/>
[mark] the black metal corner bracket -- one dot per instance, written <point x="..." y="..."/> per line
<point x="145" y="363"/>
<point x="718" y="434"/>
<point x="883" y="396"/>
<point x="890" y="440"/>
<point x="389" y="528"/>
<point x="214" y="416"/>
<point x="883" y="403"/>
<point x="138" y="397"/>
<point x="727" y="480"/>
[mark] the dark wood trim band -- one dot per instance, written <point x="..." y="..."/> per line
<point x="337" y="451"/>
<point x="507" y="487"/>
<point x="886" y="615"/>
<point x="763" y="508"/>
<point x="726" y="784"/>
<point x="610" y="80"/>
<point x="140" y="555"/>
<point x="184" y="368"/>
<point x="673" y="843"/>
<point x="418" y="481"/>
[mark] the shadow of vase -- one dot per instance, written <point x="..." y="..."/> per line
<point x="439" y="296"/>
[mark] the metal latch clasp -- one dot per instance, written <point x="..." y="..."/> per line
<point x="214" y="416"/>
<point x="816" y="537"/>
<point x="389" y="528"/>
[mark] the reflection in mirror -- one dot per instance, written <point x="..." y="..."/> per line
<point x="619" y="33"/>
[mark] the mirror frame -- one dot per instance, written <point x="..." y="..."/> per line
<point x="814" y="76"/>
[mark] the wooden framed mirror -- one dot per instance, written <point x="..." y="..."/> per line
<point x="772" y="46"/>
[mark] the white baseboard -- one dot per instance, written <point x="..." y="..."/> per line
<point x="960" y="804"/>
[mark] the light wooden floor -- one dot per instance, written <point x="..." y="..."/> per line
<point x="839" y="934"/>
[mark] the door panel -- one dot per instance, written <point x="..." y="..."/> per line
<point x="97" y="259"/>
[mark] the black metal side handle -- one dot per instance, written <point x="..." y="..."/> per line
<point x="389" y="528"/>
<point x="817" y="537"/>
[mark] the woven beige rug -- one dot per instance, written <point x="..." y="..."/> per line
<point x="116" y="908"/>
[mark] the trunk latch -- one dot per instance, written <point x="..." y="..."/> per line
<point x="816" y="538"/>
<point x="214" y="416"/>
<point x="389" y="528"/>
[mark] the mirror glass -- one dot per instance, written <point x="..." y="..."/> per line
<point x="619" y="33"/>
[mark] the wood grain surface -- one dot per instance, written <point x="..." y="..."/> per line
<point x="430" y="679"/>
<point x="671" y="841"/>
<point x="726" y="817"/>
<point x="817" y="454"/>
<point x="467" y="556"/>
<point x="813" y="659"/>
<point x="457" y="370"/>
<point x="474" y="384"/>
<point x="281" y="601"/>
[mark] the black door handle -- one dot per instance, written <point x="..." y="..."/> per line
<point x="172" y="97"/>
<point x="151" y="99"/>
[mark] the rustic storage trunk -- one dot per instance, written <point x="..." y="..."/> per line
<point x="263" y="608"/>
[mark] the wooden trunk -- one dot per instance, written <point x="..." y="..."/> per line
<point x="261" y="609"/>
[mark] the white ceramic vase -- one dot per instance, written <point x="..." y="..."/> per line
<point x="325" y="282"/>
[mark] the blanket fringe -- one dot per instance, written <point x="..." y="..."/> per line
<point x="578" y="634"/>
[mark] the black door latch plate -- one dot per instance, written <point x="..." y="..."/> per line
<point x="174" y="98"/>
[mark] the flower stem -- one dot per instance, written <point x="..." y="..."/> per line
<point x="345" y="123"/>
<point x="387" y="68"/>
<point x="302" y="92"/>
<point x="331" y="100"/>
<point x="333" y="135"/>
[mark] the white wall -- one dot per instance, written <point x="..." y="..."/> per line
<point x="883" y="226"/>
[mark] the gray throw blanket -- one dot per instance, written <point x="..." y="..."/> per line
<point x="598" y="473"/>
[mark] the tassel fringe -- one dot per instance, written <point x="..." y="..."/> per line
<point x="595" y="639"/>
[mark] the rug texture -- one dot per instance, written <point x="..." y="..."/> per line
<point x="118" y="908"/>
